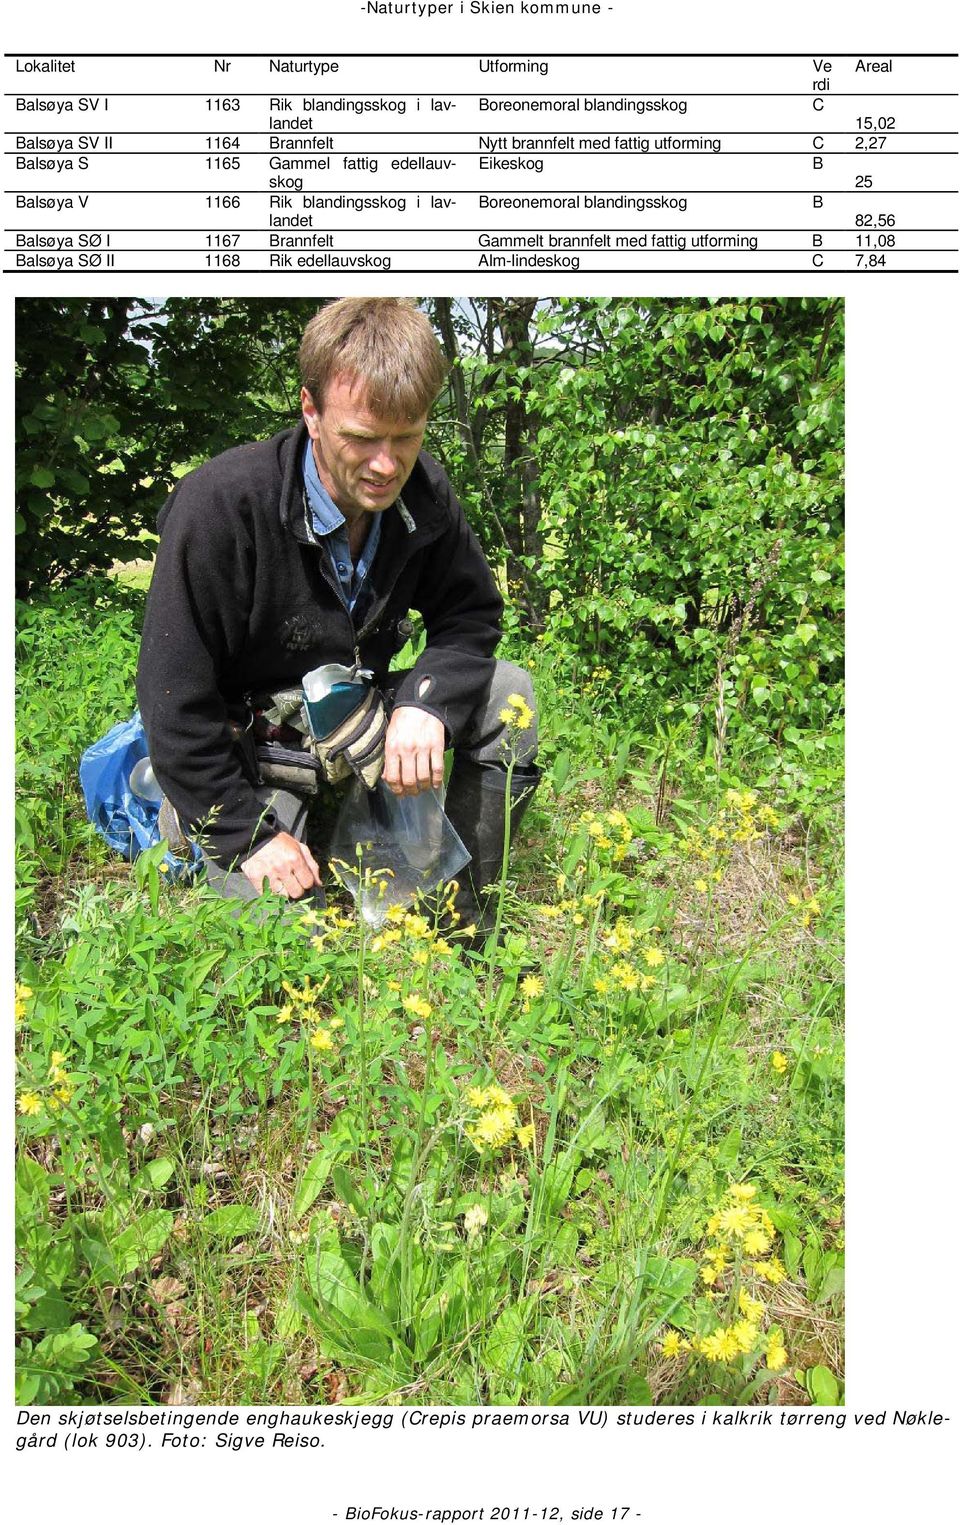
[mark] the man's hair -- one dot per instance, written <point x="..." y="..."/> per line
<point x="386" y="343"/>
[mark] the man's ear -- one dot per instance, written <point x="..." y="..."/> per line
<point x="311" y="414"/>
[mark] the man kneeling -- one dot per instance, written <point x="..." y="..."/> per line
<point x="310" y="548"/>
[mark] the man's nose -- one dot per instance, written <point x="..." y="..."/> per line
<point x="384" y="461"/>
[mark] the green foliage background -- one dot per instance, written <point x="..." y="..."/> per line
<point x="645" y="472"/>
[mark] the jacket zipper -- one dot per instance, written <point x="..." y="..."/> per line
<point x="371" y="624"/>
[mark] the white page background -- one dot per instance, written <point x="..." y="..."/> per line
<point x="902" y="413"/>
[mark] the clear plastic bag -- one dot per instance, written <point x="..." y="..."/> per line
<point x="387" y="849"/>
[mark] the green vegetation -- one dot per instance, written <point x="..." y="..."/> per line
<point x="294" y="1160"/>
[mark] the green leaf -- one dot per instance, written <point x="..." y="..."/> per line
<point x="154" y="1175"/>
<point x="503" y="1351"/>
<point x="347" y="1191"/>
<point x="40" y="476"/>
<point x="231" y="1222"/>
<point x="822" y="1386"/>
<point x="311" y="1183"/>
<point x="138" y="1244"/>
<point x="345" y="1311"/>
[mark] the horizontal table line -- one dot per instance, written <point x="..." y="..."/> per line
<point x="688" y="228"/>
<point x="467" y="95"/>
<point x="412" y="132"/>
<point x="543" y="270"/>
<point x="445" y="249"/>
<point x="482" y="53"/>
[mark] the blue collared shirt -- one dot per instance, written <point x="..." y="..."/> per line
<point x="331" y="527"/>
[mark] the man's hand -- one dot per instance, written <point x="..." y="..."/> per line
<point x="413" y="757"/>
<point x="287" y="865"/>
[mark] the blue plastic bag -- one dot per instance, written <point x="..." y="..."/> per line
<point x="128" y="823"/>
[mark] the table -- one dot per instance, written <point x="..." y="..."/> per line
<point x="452" y="164"/>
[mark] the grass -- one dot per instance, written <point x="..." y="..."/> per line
<point x="279" y="1161"/>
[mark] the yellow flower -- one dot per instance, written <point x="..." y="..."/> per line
<point x="776" y="1351"/>
<point x="417" y="926"/>
<point x="700" y="885"/>
<point x="735" y="1221"/>
<point x="420" y="956"/>
<point x="625" y="975"/>
<point x="285" y="1014"/>
<point x="417" y="1006"/>
<point x="550" y="911"/>
<point x="768" y="817"/>
<point x="745" y="1333"/>
<point x="498" y="1097"/>
<point x="304" y="997"/>
<point x="709" y="1274"/>
<point x="671" y="1345"/>
<point x="769" y="1270"/>
<point x="729" y="1345"/>
<point x="756" y="1242"/>
<point x="517" y="713"/>
<point x="321" y="1040"/>
<point x="647" y="981"/>
<point x="653" y="958"/>
<point x="742" y="1193"/>
<point x="526" y="1135"/>
<point x="29" y="1103"/>
<point x="813" y="906"/>
<point x="22" y="994"/>
<point x="750" y="1307"/>
<point x="493" y="1128"/>
<point x="601" y="986"/>
<point x="717" y="875"/>
<point x="476" y="1096"/>
<point x="532" y="985"/>
<point x="719" y="1346"/>
<point x="384" y="939"/>
<point x="779" y="1062"/>
<point x="793" y="900"/>
<point x="621" y="938"/>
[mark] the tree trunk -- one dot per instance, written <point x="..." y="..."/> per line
<point x="522" y="507"/>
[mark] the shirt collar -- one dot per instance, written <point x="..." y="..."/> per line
<point x="326" y="515"/>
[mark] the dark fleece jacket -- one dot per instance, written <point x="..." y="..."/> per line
<point x="244" y="602"/>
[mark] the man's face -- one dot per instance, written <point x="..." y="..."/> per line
<point x="363" y="459"/>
